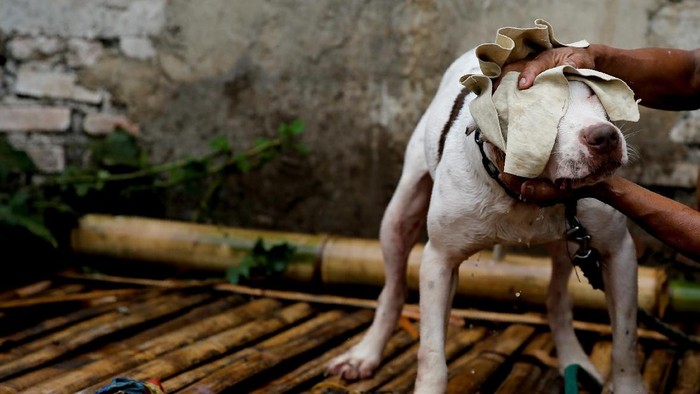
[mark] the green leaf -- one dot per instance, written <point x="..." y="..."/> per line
<point x="82" y="189"/>
<point x="262" y="261"/>
<point x="13" y="160"/>
<point x="290" y="130"/>
<point x="32" y="223"/>
<point x="220" y="143"/>
<point x="117" y="149"/>
<point x="242" y="163"/>
<point x="302" y="149"/>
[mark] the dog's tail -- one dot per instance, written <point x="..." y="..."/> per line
<point x="654" y="323"/>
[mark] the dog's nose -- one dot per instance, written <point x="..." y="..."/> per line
<point x="601" y="137"/>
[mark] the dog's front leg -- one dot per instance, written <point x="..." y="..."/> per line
<point x="620" y="278"/>
<point x="438" y="272"/>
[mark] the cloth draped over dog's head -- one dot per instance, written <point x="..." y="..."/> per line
<point x="523" y="123"/>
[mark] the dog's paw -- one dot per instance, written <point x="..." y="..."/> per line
<point x="354" y="364"/>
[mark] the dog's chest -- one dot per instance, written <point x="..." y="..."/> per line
<point x="468" y="205"/>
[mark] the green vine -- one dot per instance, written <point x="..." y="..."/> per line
<point x="120" y="179"/>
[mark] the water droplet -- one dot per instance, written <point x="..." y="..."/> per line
<point x="473" y="371"/>
<point x="517" y="293"/>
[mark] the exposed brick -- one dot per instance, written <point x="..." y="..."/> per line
<point x="100" y="124"/>
<point x="83" y="18"/>
<point x="687" y="129"/>
<point x="48" y="156"/>
<point x="34" y="118"/>
<point x="83" y="53"/>
<point x="32" y="48"/>
<point x="53" y="85"/>
<point x="137" y="47"/>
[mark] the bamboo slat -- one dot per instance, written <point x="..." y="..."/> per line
<point x="455" y="345"/>
<point x="688" y="379"/>
<point x="412" y="310"/>
<point x="526" y="372"/>
<point x="53" y="299"/>
<point x="83" y="333"/>
<point x="657" y="369"/>
<point x="37" y="377"/>
<point x="196" y="315"/>
<point x="469" y="372"/>
<point x="600" y="358"/>
<point x="551" y="383"/>
<point x="396" y="344"/>
<point x="212" y="347"/>
<point x="26" y="291"/>
<point x="317" y="367"/>
<point x="52" y="324"/>
<point x="406" y="361"/>
<point x="131" y="357"/>
<point x="302" y="338"/>
<point x="336" y="260"/>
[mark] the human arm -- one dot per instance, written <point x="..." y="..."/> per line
<point x="663" y="78"/>
<point x="673" y="223"/>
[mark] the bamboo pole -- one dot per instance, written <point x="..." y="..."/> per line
<point x="150" y="350"/>
<point x="253" y="360"/>
<point x="469" y="372"/>
<point x="69" y="339"/>
<point x="336" y="260"/>
<point x="214" y="346"/>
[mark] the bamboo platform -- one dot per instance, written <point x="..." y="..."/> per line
<point x="74" y="333"/>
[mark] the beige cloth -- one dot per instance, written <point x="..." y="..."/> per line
<point x="523" y="123"/>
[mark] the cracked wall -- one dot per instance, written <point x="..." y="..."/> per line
<point x="357" y="73"/>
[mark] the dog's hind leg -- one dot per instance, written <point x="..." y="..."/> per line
<point x="560" y="314"/>
<point x="401" y="226"/>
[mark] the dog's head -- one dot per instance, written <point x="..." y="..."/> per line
<point x="588" y="146"/>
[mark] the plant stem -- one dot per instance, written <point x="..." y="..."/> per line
<point x="160" y="168"/>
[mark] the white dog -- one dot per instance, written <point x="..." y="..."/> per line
<point x="444" y="181"/>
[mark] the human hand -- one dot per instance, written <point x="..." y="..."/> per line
<point x="550" y="58"/>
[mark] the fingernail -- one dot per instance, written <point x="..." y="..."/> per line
<point x="522" y="82"/>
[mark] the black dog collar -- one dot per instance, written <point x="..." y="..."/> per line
<point x="491" y="168"/>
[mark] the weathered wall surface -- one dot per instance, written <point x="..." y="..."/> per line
<point x="357" y="73"/>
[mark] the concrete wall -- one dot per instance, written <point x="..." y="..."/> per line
<point x="357" y="73"/>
